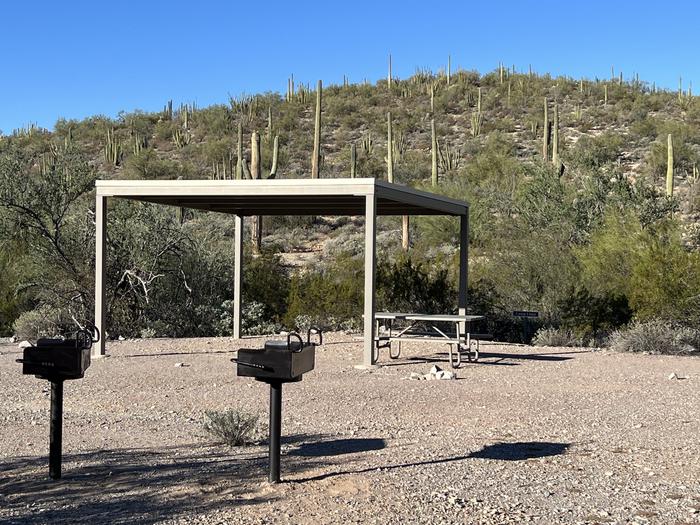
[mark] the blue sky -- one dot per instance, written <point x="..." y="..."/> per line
<point x="74" y="59"/>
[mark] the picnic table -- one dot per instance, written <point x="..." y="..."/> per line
<point x="424" y="327"/>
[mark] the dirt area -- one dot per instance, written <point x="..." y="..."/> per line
<point x="537" y="435"/>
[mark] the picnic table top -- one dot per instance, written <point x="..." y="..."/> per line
<point x="427" y="317"/>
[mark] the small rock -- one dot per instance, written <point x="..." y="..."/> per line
<point x="13" y="339"/>
<point x="121" y="338"/>
<point x="180" y="365"/>
<point x="415" y="375"/>
<point x="24" y="344"/>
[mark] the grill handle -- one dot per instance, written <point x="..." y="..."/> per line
<point x="294" y="335"/>
<point x="315" y="331"/>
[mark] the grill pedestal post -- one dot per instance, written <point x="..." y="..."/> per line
<point x="56" y="429"/>
<point x="275" y="429"/>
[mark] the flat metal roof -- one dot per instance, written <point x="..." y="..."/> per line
<point x="284" y="196"/>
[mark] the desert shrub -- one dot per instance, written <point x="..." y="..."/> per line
<point x="266" y="282"/>
<point x="407" y="286"/>
<point x="43" y="321"/>
<point x="594" y="152"/>
<point x="657" y="337"/>
<point x="255" y="319"/>
<point x="648" y="266"/>
<point x="556" y="337"/>
<point x="232" y="427"/>
<point x="328" y="293"/>
<point x="590" y="317"/>
<point x="148" y="333"/>
<point x="148" y="165"/>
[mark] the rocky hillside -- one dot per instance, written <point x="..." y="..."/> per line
<point x="567" y="178"/>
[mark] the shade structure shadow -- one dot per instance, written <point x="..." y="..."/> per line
<point x="443" y="361"/>
<point x="519" y="451"/>
<point x="553" y="356"/>
<point x="338" y="447"/>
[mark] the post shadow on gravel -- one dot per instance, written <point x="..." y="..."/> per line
<point x="142" y="486"/>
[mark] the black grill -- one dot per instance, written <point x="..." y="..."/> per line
<point x="58" y="360"/>
<point x="276" y="363"/>
<point x="282" y="360"/>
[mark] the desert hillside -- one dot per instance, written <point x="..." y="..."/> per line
<point x="575" y="212"/>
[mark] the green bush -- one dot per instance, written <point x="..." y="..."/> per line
<point x="407" y="286"/>
<point x="590" y="317"/>
<point x="657" y="337"/>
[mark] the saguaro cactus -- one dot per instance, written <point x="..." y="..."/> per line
<point x="255" y="172"/>
<point x="275" y="154"/>
<point x="353" y="160"/>
<point x="669" y="167"/>
<point x="555" y="136"/>
<point x="545" y="136"/>
<point x="239" y="152"/>
<point x="434" y="154"/>
<point x="388" y="77"/>
<point x="317" y="134"/>
<point x="449" y="67"/>
<point x="389" y="149"/>
<point x="113" y="149"/>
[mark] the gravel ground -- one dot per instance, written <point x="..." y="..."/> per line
<point x="538" y="435"/>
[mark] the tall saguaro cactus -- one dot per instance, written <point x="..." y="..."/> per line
<point x="389" y="149"/>
<point x="388" y="77"/>
<point x="669" y="167"/>
<point x="275" y="154"/>
<point x="555" y="137"/>
<point x="545" y="127"/>
<point x="449" y="67"/>
<point x="353" y="160"/>
<point x="255" y="173"/>
<point x="317" y="133"/>
<point x="434" y="155"/>
<point x="239" y="152"/>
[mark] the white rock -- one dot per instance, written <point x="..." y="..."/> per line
<point x="435" y="369"/>
<point x="179" y="365"/>
<point x="120" y="338"/>
<point x="24" y="344"/>
<point x="444" y="374"/>
<point x="13" y="339"/>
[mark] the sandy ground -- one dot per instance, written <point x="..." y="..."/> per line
<point x="537" y="435"/>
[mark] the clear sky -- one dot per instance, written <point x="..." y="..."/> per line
<point x="75" y="59"/>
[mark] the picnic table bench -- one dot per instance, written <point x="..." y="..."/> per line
<point x="424" y="327"/>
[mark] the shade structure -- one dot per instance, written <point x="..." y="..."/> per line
<point x="368" y="197"/>
<point x="285" y="197"/>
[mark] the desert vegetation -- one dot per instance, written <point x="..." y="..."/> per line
<point x="585" y="199"/>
